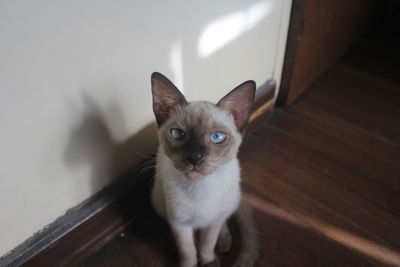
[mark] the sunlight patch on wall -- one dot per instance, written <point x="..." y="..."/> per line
<point x="224" y="30"/>
<point x="176" y="64"/>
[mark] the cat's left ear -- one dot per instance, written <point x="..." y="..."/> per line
<point x="238" y="103"/>
<point x="165" y="97"/>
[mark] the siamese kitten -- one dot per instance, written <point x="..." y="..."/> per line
<point x="197" y="183"/>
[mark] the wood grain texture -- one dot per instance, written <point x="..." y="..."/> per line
<point x="320" y="33"/>
<point x="88" y="228"/>
<point x="84" y="230"/>
<point x="322" y="175"/>
<point x="262" y="107"/>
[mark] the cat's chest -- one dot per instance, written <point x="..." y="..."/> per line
<point x="202" y="202"/>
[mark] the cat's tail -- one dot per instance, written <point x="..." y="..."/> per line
<point x="249" y="236"/>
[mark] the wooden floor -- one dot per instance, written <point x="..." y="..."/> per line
<point x="323" y="176"/>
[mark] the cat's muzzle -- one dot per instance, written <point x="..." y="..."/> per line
<point x="195" y="158"/>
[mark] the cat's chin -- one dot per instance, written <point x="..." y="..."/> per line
<point x="193" y="173"/>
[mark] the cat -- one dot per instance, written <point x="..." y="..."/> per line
<point x="197" y="181"/>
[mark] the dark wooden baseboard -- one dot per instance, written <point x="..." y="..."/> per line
<point x="88" y="227"/>
<point x="263" y="105"/>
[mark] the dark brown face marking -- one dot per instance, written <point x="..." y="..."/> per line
<point x="196" y="152"/>
<point x="194" y="149"/>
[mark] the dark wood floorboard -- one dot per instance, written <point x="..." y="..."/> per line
<point x="322" y="175"/>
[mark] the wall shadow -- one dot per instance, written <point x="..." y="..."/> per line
<point x="91" y="144"/>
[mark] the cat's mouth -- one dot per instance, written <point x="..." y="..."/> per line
<point x="192" y="168"/>
<point x="193" y="172"/>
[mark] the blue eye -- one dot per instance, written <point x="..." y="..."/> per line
<point x="177" y="133"/>
<point x="217" y="138"/>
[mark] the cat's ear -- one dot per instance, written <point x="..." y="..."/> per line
<point x="238" y="103"/>
<point x="165" y="97"/>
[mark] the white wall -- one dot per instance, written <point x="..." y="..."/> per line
<point x="75" y="103"/>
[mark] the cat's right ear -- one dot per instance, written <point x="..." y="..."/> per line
<point x="238" y="103"/>
<point x="166" y="97"/>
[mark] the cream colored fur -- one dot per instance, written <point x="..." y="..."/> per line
<point x="196" y="204"/>
<point x="201" y="195"/>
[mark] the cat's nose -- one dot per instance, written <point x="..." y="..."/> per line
<point x="195" y="158"/>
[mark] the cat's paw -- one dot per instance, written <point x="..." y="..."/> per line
<point x="214" y="263"/>
<point x="224" y="243"/>
<point x="188" y="263"/>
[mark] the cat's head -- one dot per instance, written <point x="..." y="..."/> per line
<point x="199" y="136"/>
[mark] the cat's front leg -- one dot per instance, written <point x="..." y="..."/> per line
<point x="185" y="241"/>
<point x="208" y="240"/>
